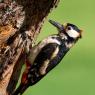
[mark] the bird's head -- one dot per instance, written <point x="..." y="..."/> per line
<point x="68" y="29"/>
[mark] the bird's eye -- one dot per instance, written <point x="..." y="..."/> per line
<point x="69" y="28"/>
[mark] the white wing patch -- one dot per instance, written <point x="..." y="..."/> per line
<point x="44" y="67"/>
<point x="55" y="53"/>
<point x="51" y="40"/>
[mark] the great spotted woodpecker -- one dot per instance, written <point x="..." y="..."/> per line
<point x="47" y="54"/>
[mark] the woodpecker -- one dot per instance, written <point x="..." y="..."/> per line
<point x="47" y="54"/>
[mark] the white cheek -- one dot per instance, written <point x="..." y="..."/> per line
<point x="72" y="33"/>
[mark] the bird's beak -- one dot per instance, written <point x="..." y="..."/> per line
<point x="59" y="26"/>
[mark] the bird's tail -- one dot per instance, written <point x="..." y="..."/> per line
<point x="21" y="89"/>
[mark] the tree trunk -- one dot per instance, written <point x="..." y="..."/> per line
<point x="18" y="16"/>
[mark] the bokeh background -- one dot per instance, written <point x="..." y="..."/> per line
<point x="75" y="75"/>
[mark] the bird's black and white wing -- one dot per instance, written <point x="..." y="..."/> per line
<point x="48" y="53"/>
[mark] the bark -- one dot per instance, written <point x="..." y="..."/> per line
<point x="23" y="15"/>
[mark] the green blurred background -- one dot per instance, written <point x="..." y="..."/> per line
<point x="75" y="75"/>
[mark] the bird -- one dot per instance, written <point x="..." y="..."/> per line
<point x="47" y="54"/>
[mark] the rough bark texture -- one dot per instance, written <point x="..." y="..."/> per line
<point x="16" y="18"/>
